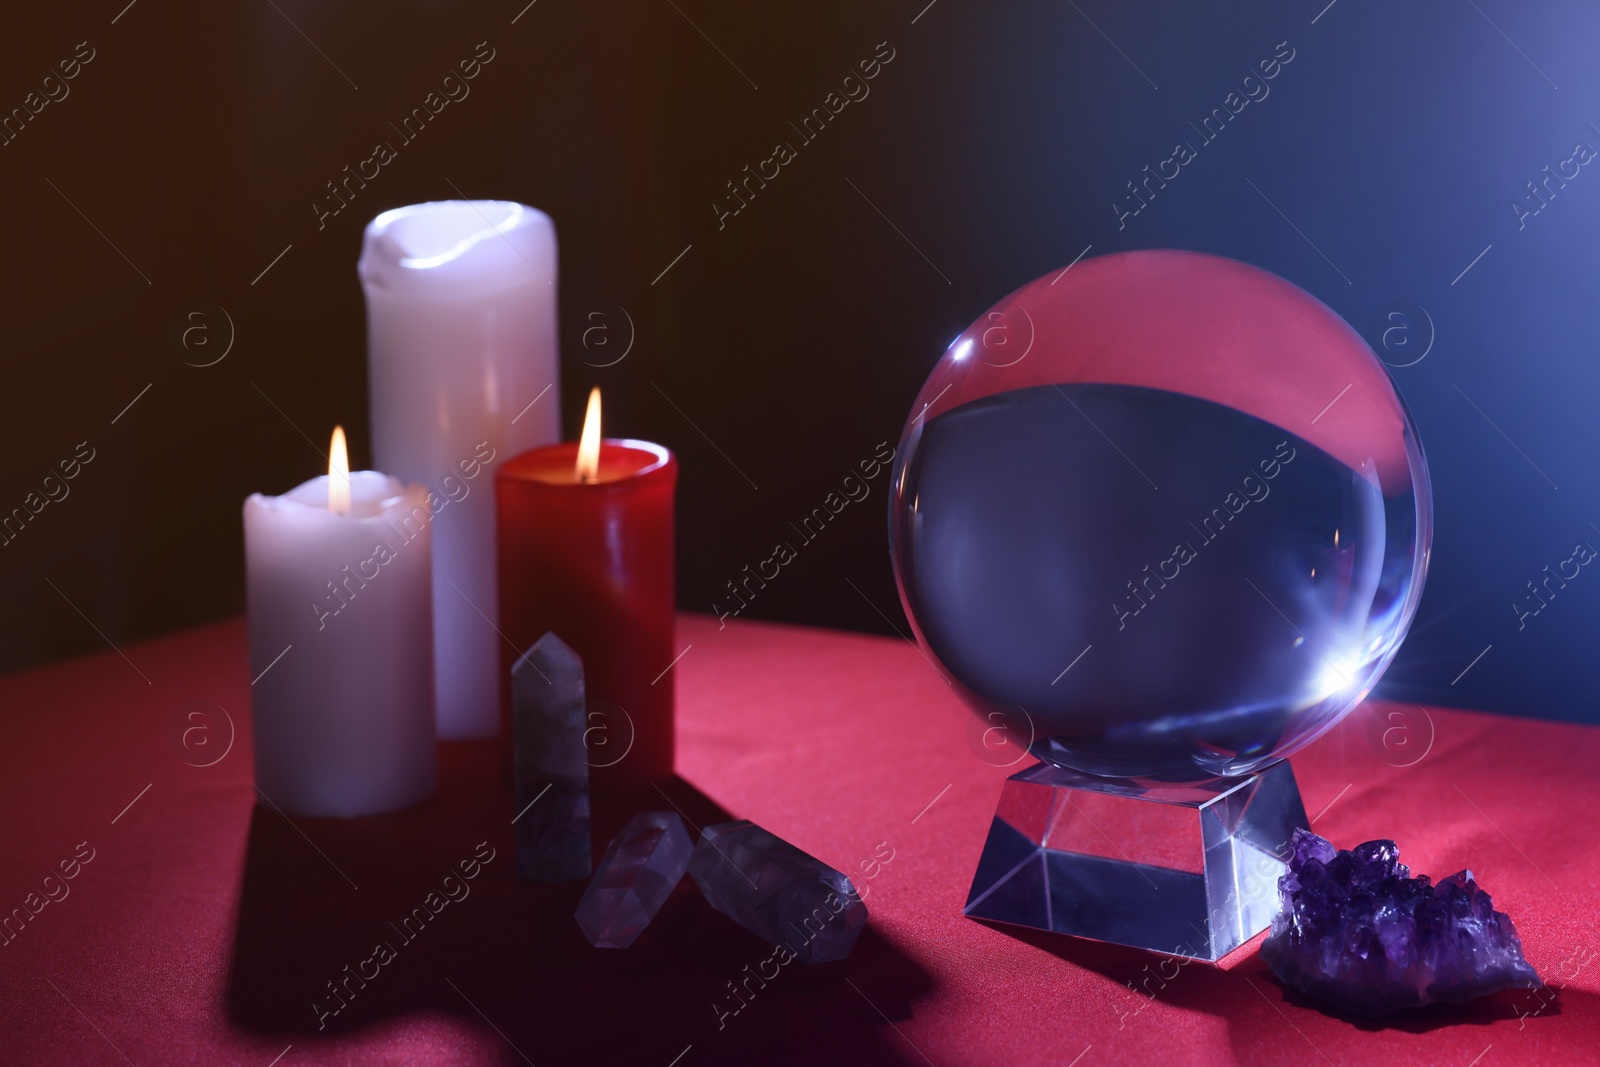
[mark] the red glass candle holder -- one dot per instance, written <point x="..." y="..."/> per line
<point x="594" y="563"/>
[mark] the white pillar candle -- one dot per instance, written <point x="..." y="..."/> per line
<point x="341" y="641"/>
<point x="462" y="364"/>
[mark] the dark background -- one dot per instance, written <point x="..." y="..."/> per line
<point x="782" y="348"/>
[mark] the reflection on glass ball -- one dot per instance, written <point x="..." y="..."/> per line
<point x="1163" y="515"/>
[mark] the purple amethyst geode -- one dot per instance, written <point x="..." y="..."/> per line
<point x="1357" y="930"/>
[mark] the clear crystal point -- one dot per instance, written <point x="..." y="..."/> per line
<point x="773" y="889"/>
<point x="639" y="870"/>
<point x="551" y="763"/>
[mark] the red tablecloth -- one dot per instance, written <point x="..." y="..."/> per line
<point x="204" y="928"/>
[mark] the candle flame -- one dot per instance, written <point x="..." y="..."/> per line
<point x="587" y="468"/>
<point x="338" y="474"/>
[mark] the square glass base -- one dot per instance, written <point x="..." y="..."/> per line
<point x="1188" y="870"/>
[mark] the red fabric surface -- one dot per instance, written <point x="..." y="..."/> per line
<point x="205" y="926"/>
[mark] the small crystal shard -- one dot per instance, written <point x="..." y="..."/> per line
<point x="636" y="875"/>
<point x="551" y="764"/>
<point x="771" y="888"/>
<point x="1357" y="930"/>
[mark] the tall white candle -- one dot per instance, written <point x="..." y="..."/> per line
<point x="462" y="362"/>
<point x="341" y="641"/>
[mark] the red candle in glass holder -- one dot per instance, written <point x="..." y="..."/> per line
<point x="585" y="549"/>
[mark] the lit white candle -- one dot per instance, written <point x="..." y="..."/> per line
<point x="461" y="358"/>
<point x="341" y="642"/>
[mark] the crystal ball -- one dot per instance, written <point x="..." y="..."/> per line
<point x="1160" y="515"/>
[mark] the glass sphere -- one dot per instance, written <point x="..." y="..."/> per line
<point x="1160" y="515"/>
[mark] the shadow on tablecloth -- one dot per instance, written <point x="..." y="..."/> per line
<point x="320" y="895"/>
<point x="1241" y="987"/>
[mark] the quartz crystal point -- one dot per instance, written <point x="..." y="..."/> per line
<point x="636" y="875"/>
<point x="1358" y="931"/>
<point x="551" y="764"/>
<point x="774" y="890"/>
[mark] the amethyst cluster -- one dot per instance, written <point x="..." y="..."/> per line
<point x="1357" y="930"/>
